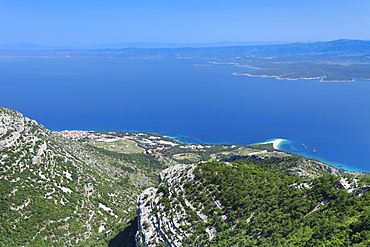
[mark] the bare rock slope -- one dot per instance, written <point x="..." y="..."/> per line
<point x="242" y="204"/>
<point x="59" y="192"/>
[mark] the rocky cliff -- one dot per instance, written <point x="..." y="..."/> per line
<point x="157" y="222"/>
<point x="238" y="204"/>
<point x="58" y="192"/>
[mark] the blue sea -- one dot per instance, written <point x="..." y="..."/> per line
<point x="195" y="104"/>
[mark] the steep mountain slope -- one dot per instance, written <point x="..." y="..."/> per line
<point x="58" y="192"/>
<point x="287" y="163"/>
<point x="241" y="204"/>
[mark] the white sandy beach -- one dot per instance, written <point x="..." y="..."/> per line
<point x="275" y="143"/>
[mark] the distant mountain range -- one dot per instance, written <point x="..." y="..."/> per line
<point x="31" y="46"/>
<point x="23" y="45"/>
<point x="339" y="60"/>
<point x="274" y="48"/>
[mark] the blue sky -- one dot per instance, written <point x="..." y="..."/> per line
<point x="85" y="22"/>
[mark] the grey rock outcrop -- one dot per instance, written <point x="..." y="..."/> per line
<point x="163" y="212"/>
<point x="68" y="189"/>
<point x="155" y="225"/>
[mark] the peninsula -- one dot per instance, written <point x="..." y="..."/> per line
<point x="340" y="60"/>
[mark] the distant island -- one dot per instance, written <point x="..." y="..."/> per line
<point x="307" y="70"/>
<point x="293" y="74"/>
<point x="203" y="64"/>
<point x="335" y="61"/>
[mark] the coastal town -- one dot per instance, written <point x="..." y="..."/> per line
<point x="144" y="142"/>
<point x="155" y="144"/>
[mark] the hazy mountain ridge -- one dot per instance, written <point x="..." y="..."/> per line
<point x="339" y="60"/>
<point x="123" y="45"/>
<point x="336" y="47"/>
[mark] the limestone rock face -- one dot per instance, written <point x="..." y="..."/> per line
<point x="163" y="212"/>
<point x="55" y="190"/>
<point x="159" y="223"/>
<point x="183" y="203"/>
<point x="331" y="170"/>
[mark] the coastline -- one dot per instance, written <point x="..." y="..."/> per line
<point x="337" y="165"/>
<point x="276" y="142"/>
<point x="278" y="77"/>
<point x="322" y="79"/>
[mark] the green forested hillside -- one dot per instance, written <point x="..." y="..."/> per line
<point x="58" y="192"/>
<point x="240" y="204"/>
<point x="61" y="192"/>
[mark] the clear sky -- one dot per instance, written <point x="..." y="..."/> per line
<point x="85" y="22"/>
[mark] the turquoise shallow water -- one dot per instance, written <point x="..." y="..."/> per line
<point x="200" y="104"/>
<point x="289" y="146"/>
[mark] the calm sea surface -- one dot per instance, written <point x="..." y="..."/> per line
<point x="199" y="104"/>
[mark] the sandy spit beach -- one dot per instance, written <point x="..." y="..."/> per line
<point x="275" y="143"/>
